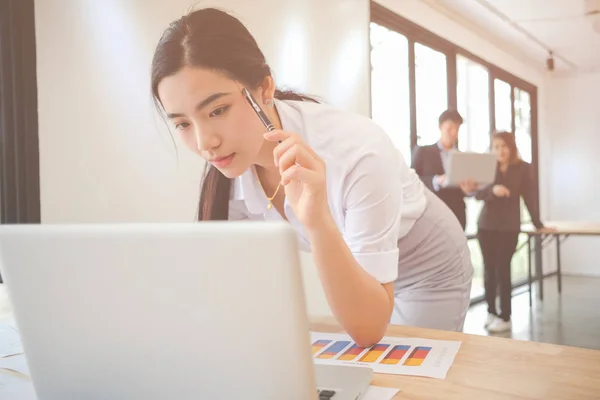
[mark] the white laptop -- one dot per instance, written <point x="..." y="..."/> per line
<point x="166" y="311"/>
<point x="478" y="167"/>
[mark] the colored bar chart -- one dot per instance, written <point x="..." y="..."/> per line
<point x="351" y="353"/>
<point x="395" y="355"/>
<point x="333" y="350"/>
<point x="391" y="355"/>
<point x="374" y="353"/>
<point x="318" y="345"/>
<point x="417" y="356"/>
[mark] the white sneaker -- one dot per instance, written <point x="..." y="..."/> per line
<point x="490" y="318"/>
<point x="499" y="325"/>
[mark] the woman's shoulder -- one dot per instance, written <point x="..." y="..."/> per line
<point x="523" y="166"/>
<point x="338" y="129"/>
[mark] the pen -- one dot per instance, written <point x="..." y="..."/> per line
<point x="259" y="112"/>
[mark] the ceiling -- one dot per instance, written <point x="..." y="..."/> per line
<point x="531" y="28"/>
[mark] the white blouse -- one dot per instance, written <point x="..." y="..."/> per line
<point x="373" y="196"/>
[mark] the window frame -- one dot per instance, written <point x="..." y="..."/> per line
<point x="19" y="141"/>
<point x="416" y="33"/>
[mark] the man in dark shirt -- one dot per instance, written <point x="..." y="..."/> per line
<point x="431" y="163"/>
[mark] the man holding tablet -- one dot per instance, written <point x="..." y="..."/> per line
<point x="431" y="163"/>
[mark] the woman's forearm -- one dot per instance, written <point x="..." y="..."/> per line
<point x="360" y="303"/>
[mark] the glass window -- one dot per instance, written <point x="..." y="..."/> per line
<point x="390" y="95"/>
<point x="503" y="105"/>
<point x="523" y="138"/>
<point x="473" y="101"/>
<point x="523" y="123"/>
<point x="431" y="85"/>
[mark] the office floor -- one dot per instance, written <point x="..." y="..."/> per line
<point x="571" y="319"/>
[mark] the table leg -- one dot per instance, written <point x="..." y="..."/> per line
<point x="558" y="264"/>
<point x="539" y="274"/>
<point x="529" y="269"/>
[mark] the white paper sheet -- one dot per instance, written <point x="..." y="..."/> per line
<point x="379" y="393"/>
<point x="10" y="341"/>
<point x="392" y="355"/>
<point x="16" y="387"/>
<point x="16" y="363"/>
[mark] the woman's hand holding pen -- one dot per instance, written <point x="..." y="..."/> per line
<point x="303" y="176"/>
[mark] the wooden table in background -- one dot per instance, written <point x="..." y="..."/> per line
<point x="557" y="231"/>
<point x="494" y="368"/>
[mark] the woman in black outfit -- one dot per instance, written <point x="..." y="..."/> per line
<point x="500" y="223"/>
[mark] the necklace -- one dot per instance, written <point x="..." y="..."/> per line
<point x="269" y="199"/>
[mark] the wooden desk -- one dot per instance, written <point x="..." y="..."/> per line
<point x="491" y="368"/>
<point x="495" y="368"/>
<point x="559" y="231"/>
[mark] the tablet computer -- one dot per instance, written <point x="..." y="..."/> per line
<point x="478" y="167"/>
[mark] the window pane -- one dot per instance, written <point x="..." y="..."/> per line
<point x="474" y="105"/>
<point x="473" y="96"/>
<point x="389" y="86"/>
<point x="523" y="135"/>
<point x="523" y="123"/>
<point x="518" y="265"/>
<point x="503" y="106"/>
<point x="474" y="135"/>
<point x="523" y="139"/>
<point x="432" y="92"/>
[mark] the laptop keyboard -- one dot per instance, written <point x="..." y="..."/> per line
<point x="326" y="394"/>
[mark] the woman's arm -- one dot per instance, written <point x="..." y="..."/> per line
<point x="361" y="304"/>
<point x="357" y="262"/>
<point x="358" y="267"/>
<point x="486" y="193"/>
<point x="528" y="193"/>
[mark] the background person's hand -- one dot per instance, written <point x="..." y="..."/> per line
<point x="501" y="191"/>
<point x="441" y="180"/>
<point x="468" y="186"/>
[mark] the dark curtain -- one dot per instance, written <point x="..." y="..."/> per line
<point x="19" y="151"/>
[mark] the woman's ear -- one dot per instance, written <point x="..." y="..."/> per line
<point x="268" y="88"/>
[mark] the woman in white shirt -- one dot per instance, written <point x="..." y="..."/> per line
<point x="386" y="249"/>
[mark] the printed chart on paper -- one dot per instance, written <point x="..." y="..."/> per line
<point x="398" y="356"/>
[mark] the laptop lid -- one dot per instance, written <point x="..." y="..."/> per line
<point x="183" y="311"/>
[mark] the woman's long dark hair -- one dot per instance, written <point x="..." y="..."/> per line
<point x="210" y="38"/>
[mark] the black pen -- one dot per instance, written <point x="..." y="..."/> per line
<point x="259" y="112"/>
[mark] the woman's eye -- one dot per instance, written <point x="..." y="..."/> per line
<point x="181" y="126"/>
<point x="217" y="112"/>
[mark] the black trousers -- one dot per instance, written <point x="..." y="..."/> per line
<point x="497" y="248"/>
<point x="458" y="209"/>
<point x="461" y="215"/>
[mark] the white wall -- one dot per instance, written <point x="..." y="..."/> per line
<point x="574" y="126"/>
<point x="104" y="155"/>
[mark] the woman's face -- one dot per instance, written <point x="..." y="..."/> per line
<point x="213" y="118"/>
<point x="501" y="150"/>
